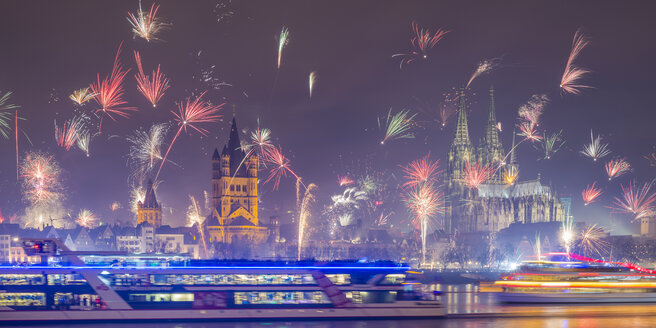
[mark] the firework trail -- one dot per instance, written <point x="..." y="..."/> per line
<point x="308" y="200"/>
<point x="569" y="83"/>
<point x="67" y="135"/>
<point x="423" y="201"/>
<point x="567" y="233"/>
<point x="41" y="179"/>
<point x="146" y="24"/>
<point x="84" y="141"/>
<point x="80" y="96"/>
<point x="282" y="42"/>
<point x="87" y="219"/>
<point x="138" y="194"/>
<point x="146" y="149"/>
<point x="312" y="81"/>
<point x="421" y="171"/>
<point x="397" y="126"/>
<point x="552" y="143"/>
<point x="484" y="67"/>
<point x="476" y="175"/>
<point x="344" y="181"/>
<point x="280" y="166"/>
<point x="109" y="92"/>
<point x="194" y="217"/>
<point x="189" y="114"/>
<point x="617" y="167"/>
<point x="639" y="202"/>
<point x="152" y="87"/>
<point x="115" y="206"/>
<point x="651" y="158"/>
<point x="595" y="149"/>
<point x="422" y="41"/>
<point x="510" y="174"/>
<point x="499" y="127"/>
<point x="591" y="241"/>
<point x="5" y="122"/>
<point x="590" y="193"/>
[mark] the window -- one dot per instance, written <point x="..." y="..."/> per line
<point x="22" y="299"/>
<point x="244" y="188"/>
<point x="340" y="278"/>
<point x="238" y="187"/>
<point x="232" y="187"/>
<point x="316" y="297"/>
<point x="21" y="279"/>
<point x="393" y="279"/>
<point x="162" y="297"/>
<point x="66" y="279"/>
<point x="231" y="279"/>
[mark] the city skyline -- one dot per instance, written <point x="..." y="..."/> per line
<point x="358" y="81"/>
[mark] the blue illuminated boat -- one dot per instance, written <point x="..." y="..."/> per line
<point x="74" y="287"/>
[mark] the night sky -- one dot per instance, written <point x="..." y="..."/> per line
<point x="50" y="48"/>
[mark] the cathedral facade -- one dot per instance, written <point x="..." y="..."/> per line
<point x="500" y="200"/>
<point x="234" y="216"/>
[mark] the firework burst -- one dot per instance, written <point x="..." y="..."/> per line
<point x="195" y="218"/>
<point x="153" y="86"/>
<point x="84" y="141"/>
<point x="109" y="92"/>
<point x="529" y="132"/>
<point x="424" y="202"/>
<point x="87" y="219"/>
<point x="617" y="167"/>
<point x="280" y="167"/>
<point x="344" y="181"/>
<point x="570" y="82"/>
<point x="146" y="149"/>
<point x="282" y="42"/>
<point x="5" y="122"/>
<point x="397" y="126"/>
<point x="595" y="149"/>
<point x="312" y="80"/>
<point x="41" y="179"/>
<point x="592" y="241"/>
<point x="552" y="143"/>
<point x="510" y="174"/>
<point x="146" y="24"/>
<point x="261" y="138"/>
<point x="590" y="193"/>
<point x="67" y="135"/>
<point x="80" y="96"/>
<point x="421" y="171"/>
<point x="484" y="67"/>
<point x="189" y="115"/>
<point x="639" y="202"/>
<point x="532" y="110"/>
<point x="422" y="41"/>
<point x="476" y="175"/>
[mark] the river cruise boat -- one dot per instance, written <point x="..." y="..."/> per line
<point x="114" y="287"/>
<point x="571" y="278"/>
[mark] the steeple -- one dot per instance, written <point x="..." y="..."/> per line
<point x="491" y="150"/>
<point x="234" y="149"/>
<point x="150" y="200"/>
<point x="513" y="156"/>
<point x="462" y="129"/>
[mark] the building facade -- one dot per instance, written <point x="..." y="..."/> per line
<point x="234" y="215"/>
<point x="500" y="200"/>
<point x="150" y="210"/>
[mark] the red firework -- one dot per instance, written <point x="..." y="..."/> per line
<point x="152" y="87"/>
<point x="67" y="135"/>
<point x="344" y="181"/>
<point x="422" y="41"/>
<point x="615" y="168"/>
<point x="189" y="114"/>
<point x="569" y="83"/>
<point x="109" y="92"/>
<point x="476" y="175"/>
<point x="639" y="202"/>
<point x="421" y="171"/>
<point x="280" y="166"/>
<point x="590" y="193"/>
<point x="529" y="132"/>
<point x="424" y="202"/>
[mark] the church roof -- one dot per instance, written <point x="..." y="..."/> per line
<point x="215" y="156"/>
<point x="150" y="201"/>
<point x="241" y="221"/>
<point x="211" y="221"/>
<point x="520" y="189"/>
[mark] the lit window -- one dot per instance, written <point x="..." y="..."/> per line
<point x="22" y="299"/>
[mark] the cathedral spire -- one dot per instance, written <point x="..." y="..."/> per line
<point x="513" y="157"/>
<point x="462" y="129"/>
<point x="490" y="150"/>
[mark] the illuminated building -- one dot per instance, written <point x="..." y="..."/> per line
<point x="234" y="195"/>
<point x="149" y="210"/>
<point x="494" y="205"/>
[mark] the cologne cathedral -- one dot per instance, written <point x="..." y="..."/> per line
<point x="501" y="200"/>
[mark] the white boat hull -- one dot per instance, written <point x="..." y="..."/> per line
<point x="399" y="310"/>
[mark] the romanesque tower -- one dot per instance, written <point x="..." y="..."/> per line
<point x="149" y="210"/>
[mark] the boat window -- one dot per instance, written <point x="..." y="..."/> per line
<point x="162" y="297"/>
<point x="340" y="278"/>
<point x="316" y="297"/>
<point x="21" y="279"/>
<point x="393" y="279"/>
<point x="22" y="299"/>
<point x="66" y="279"/>
<point x="231" y="279"/>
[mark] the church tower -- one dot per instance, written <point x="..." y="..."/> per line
<point x="234" y="194"/>
<point x="149" y="210"/>
<point x="461" y="151"/>
<point x="491" y="151"/>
